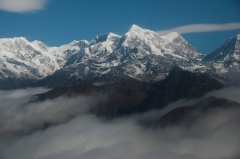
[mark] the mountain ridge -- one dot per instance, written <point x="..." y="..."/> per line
<point x="139" y="54"/>
<point x="131" y="96"/>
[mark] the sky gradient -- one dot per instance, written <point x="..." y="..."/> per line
<point x="57" y="22"/>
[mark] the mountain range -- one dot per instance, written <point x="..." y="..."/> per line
<point x="140" y="55"/>
<point x="135" y="74"/>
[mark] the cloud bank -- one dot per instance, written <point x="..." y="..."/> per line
<point x="18" y="117"/>
<point x="216" y="136"/>
<point x="19" y="6"/>
<point x="213" y="136"/>
<point x="195" y="28"/>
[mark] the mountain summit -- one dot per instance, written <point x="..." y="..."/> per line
<point x="140" y="54"/>
<point x="22" y="62"/>
<point x="228" y="52"/>
<point x="225" y="58"/>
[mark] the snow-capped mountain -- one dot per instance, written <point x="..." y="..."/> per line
<point x="24" y="60"/>
<point x="152" y="43"/>
<point x="229" y="51"/>
<point x="226" y="57"/>
<point x="140" y="54"/>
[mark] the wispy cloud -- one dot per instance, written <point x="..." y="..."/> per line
<point x="194" y="28"/>
<point x="20" y="6"/>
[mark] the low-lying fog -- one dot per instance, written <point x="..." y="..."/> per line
<point x="76" y="134"/>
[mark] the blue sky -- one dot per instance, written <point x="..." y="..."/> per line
<point x="56" y="22"/>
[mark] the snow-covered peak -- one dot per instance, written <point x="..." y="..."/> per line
<point x="229" y="51"/>
<point x="137" y="36"/>
<point x="113" y="35"/>
<point x="153" y="43"/>
<point x="135" y="28"/>
<point x="74" y="45"/>
<point x="78" y="42"/>
<point x="37" y="42"/>
<point x="71" y="44"/>
<point x="13" y="44"/>
<point x="110" y="37"/>
<point x="171" y="36"/>
<point x="13" y="40"/>
<point x="74" y="42"/>
<point x="238" y="37"/>
<point x="23" y="59"/>
<point x="84" y="41"/>
<point x="40" y="45"/>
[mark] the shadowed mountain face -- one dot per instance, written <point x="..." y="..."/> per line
<point x="14" y="83"/>
<point x="188" y="115"/>
<point x="178" y="84"/>
<point x="134" y="96"/>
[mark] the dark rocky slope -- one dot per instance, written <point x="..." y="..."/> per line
<point x="14" y="83"/>
<point x="187" y="115"/>
<point x="177" y="85"/>
<point x="134" y="96"/>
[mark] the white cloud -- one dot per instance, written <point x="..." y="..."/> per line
<point x="28" y="117"/>
<point x="213" y="136"/>
<point x="22" y="5"/>
<point x="194" y="28"/>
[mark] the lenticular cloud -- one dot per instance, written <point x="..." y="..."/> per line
<point x="22" y="5"/>
<point x="196" y="28"/>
